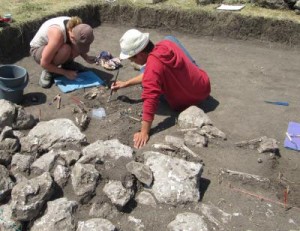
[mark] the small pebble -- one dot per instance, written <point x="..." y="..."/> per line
<point x="259" y="160"/>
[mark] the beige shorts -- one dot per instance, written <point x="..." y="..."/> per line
<point x="36" y="53"/>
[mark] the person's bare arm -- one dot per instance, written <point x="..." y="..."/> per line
<point x="89" y="59"/>
<point x="133" y="81"/>
<point x="141" y="138"/>
<point x="55" y="41"/>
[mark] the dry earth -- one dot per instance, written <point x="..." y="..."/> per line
<point x="243" y="74"/>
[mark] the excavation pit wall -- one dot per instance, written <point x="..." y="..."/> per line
<point x="15" y="39"/>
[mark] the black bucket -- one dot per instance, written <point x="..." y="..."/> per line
<point x="13" y="80"/>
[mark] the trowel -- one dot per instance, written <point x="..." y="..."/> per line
<point x="111" y="91"/>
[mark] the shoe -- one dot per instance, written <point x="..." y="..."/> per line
<point x="74" y="66"/>
<point x="46" y="79"/>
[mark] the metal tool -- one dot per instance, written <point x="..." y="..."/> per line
<point x="281" y="103"/>
<point x="111" y="91"/>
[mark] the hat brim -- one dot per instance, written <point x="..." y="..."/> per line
<point x="126" y="56"/>
<point x="123" y="56"/>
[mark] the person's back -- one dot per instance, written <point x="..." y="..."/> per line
<point x="170" y="72"/>
<point x="41" y="38"/>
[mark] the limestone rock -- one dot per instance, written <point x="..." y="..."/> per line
<point x="176" y="181"/>
<point x="6" y="221"/>
<point x="6" y="184"/>
<point x="52" y="134"/>
<point x="188" y="221"/>
<point x="84" y="180"/>
<point x="28" y="197"/>
<point x="193" y="117"/>
<point x="96" y="224"/>
<point x="142" y="172"/>
<point x="116" y="192"/>
<point x="59" y="216"/>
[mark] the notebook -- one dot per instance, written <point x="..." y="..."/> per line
<point x="292" y="140"/>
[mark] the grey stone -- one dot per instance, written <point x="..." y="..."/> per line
<point x="146" y="198"/>
<point x="118" y="195"/>
<point x="176" y="181"/>
<point x="21" y="163"/>
<point x="193" y="117"/>
<point x="45" y="163"/>
<point x="212" y="132"/>
<point x="5" y="157"/>
<point x="297" y="5"/>
<point x="6" y="221"/>
<point x="61" y="175"/>
<point x="137" y="224"/>
<point x="103" y="210"/>
<point x="142" y="172"/>
<point x="7" y="132"/>
<point x="84" y="180"/>
<point x="188" y="221"/>
<point x="59" y="216"/>
<point x="96" y="224"/>
<point x="29" y="197"/>
<point x="268" y="145"/>
<point x="7" y="113"/>
<point x="104" y="150"/>
<point x="6" y="184"/>
<point x="23" y="119"/>
<point x="70" y="156"/>
<point x="179" y="143"/>
<point x="195" y="139"/>
<point x="52" y="134"/>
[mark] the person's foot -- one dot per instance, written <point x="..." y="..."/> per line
<point x="46" y="79"/>
<point x="74" y="66"/>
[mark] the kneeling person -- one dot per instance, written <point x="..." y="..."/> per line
<point x="169" y="71"/>
<point x="58" y="41"/>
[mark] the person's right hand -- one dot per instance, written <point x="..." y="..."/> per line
<point x="70" y="74"/>
<point x="119" y="84"/>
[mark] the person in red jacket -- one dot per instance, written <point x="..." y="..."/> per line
<point x="169" y="71"/>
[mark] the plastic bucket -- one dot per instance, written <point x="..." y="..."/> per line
<point x="13" y="80"/>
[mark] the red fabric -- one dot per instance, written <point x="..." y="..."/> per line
<point x="171" y="73"/>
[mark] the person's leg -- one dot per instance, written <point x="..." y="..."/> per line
<point x="63" y="55"/>
<point x="175" y="40"/>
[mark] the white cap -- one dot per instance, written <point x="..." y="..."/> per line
<point x="133" y="42"/>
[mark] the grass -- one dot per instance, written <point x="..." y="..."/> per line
<point x="27" y="10"/>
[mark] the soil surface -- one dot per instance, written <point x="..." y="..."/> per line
<point x="243" y="75"/>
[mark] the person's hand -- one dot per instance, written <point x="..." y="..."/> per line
<point x="117" y="85"/>
<point x="90" y="59"/>
<point x="140" y="139"/>
<point x="70" y="74"/>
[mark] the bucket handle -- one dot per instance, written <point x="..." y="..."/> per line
<point x="17" y="88"/>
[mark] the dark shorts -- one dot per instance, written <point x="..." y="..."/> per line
<point x="36" y="53"/>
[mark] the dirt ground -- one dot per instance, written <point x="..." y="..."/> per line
<point x="243" y="75"/>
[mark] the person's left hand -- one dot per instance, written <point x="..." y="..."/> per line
<point x="89" y="58"/>
<point x="140" y="139"/>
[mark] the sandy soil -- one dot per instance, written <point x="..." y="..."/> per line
<point x="243" y="74"/>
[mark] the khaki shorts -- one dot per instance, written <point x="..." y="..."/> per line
<point x="36" y="53"/>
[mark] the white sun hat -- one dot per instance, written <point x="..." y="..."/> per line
<point x="133" y="42"/>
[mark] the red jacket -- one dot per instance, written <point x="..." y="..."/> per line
<point x="171" y="73"/>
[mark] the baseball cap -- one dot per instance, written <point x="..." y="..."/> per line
<point x="133" y="42"/>
<point x="83" y="36"/>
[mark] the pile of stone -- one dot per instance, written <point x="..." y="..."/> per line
<point x="37" y="168"/>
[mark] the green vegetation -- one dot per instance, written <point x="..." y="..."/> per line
<point x="26" y="10"/>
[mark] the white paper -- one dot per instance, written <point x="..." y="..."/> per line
<point x="230" y="7"/>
